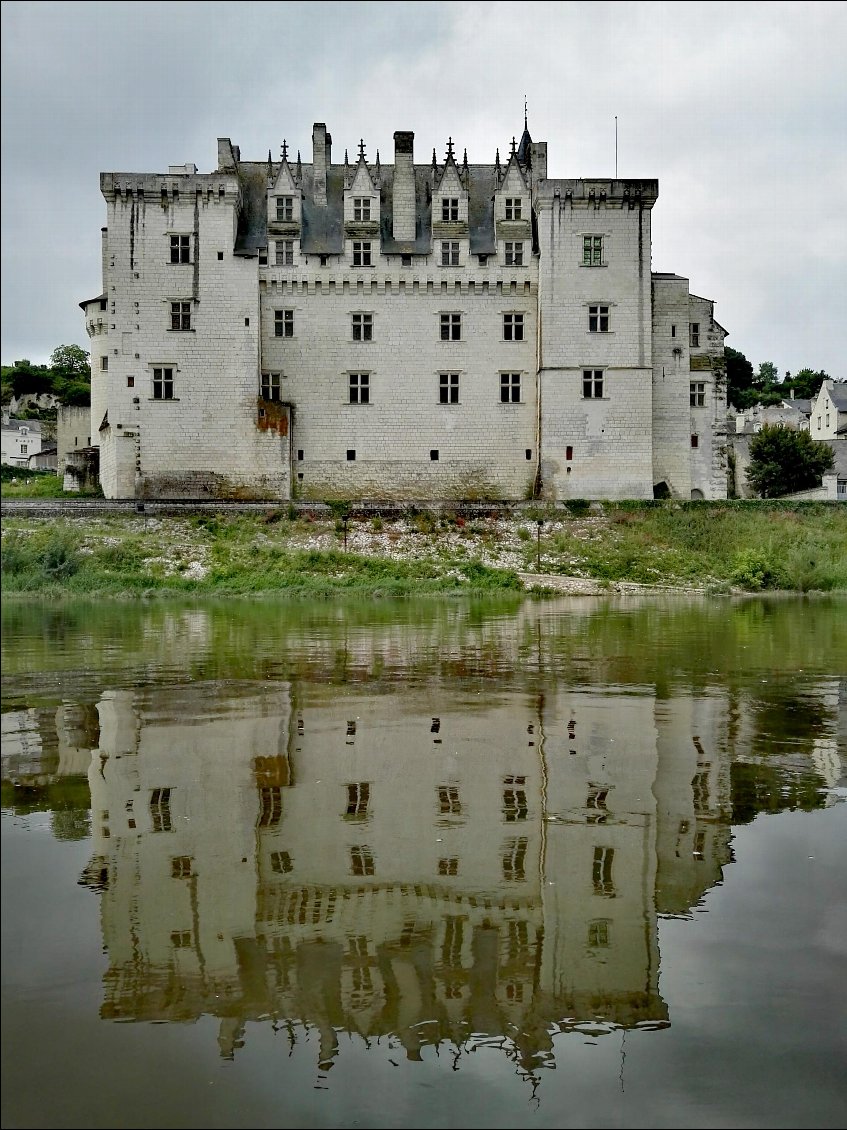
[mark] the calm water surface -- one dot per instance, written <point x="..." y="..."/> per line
<point x="577" y="863"/>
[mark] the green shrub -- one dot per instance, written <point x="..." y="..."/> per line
<point x="754" y="569"/>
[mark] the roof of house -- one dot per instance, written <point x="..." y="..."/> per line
<point x="322" y="226"/>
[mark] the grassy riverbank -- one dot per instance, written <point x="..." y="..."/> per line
<point x="712" y="547"/>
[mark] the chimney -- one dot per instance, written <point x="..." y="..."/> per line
<point x="228" y="155"/>
<point x="403" y="225"/>
<point x="322" y="144"/>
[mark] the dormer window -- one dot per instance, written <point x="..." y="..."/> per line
<point x="513" y="208"/>
<point x="285" y="208"/>
<point x="361" y="208"/>
<point x="449" y="209"/>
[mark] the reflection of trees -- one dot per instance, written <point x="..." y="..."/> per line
<point x="759" y="788"/>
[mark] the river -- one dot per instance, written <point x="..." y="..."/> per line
<point x="575" y="862"/>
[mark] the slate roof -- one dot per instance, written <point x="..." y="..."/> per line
<point x="322" y="227"/>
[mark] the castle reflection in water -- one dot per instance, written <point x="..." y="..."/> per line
<point x="447" y="864"/>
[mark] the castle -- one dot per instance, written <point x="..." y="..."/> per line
<point x="358" y="330"/>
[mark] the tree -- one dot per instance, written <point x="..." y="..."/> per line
<point x="739" y="379"/>
<point x="784" y="460"/>
<point x="806" y="384"/>
<point x="28" y="378"/>
<point x="71" y="360"/>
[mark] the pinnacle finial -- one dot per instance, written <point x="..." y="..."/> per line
<point x="525" y="126"/>
<point x="361" y="149"/>
<point x="514" y="146"/>
<point x="449" y="148"/>
<point x="284" y="150"/>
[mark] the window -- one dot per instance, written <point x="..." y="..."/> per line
<point x="592" y="384"/>
<point x="601" y="872"/>
<point x="361" y="208"/>
<point x="163" y="384"/>
<point x="351" y="455"/>
<point x="598" y="933"/>
<point x="596" y="804"/>
<point x="449" y="209"/>
<point x="694" y="335"/>
<point x="448" y="800"/>
<point x="130" y="382"/>
<point x="514" y="254"/>
<point x="104" y="364"/>
<point x="270" y="387"/>
<point x="181" y="867"/>
<point x="285" y="253"/>
<point x="181" y="939"/>
<point x="510" y="388"/>
<point x="514" y="859"/>
<point x="697" y="394"/>
<point x="24" y="448"/>
<point x="285" y="209"/>
<point x="592" y="251"/>
<point x="449" y="253"/>
<point x="513" y="327"/>
<point x="695" y="440"/>
<point x="598" y="319"/>
<point x="513" y="208"/>
<point x="362" y="253"/>
<point x="433" y="454"/>
<point x="405" y="260"/>
<point x="180" y="249"/>
<point x="448" y="866"/>
<point x="448" y="388"/>
<point x="358" y="796"/>
<point x="363" y="327"/>
<point x="283" y="323"/>
<point x="281" y="862"/>
<point x="515" y="805"/>
<point x="360" y="389"/>
<point x="270" y="806"/>
<point x="361" y="860"/>
<point x="451" y="327"/>
<point x="160" y="810"/>
<point x="180" y="315"/>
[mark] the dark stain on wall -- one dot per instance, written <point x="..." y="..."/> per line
<point x="272" y="416"/>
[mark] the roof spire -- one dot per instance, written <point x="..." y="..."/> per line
<point x="361" y="149"/>
<point x="284" y="150"/>
<point x="497" y="165"/>
<point x="525" y="126"/>
<point x="449" y="148"/>
<point x="514" y="146"/>
<point x="299" y="167"/>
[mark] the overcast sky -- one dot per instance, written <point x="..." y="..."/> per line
<point x="739" y="110"/>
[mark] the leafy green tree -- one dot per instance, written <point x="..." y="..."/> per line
<point x="784" y="460"/>
<point x="28" y="378"/>
<point x="806" y="384"/>
<point x="739" y="379"/>
<point x="71" y="359"/>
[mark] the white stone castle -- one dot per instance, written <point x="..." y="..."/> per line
<point x="441" y="331"/>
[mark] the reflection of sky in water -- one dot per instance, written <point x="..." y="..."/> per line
<point x="491" y="867"/>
